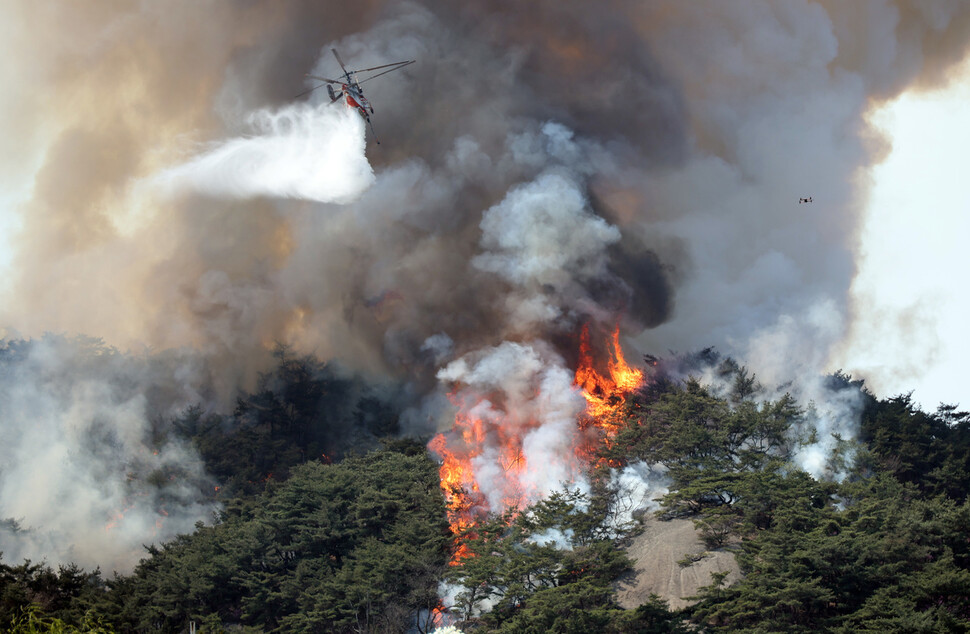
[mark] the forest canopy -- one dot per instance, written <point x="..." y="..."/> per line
<point x="331" y="522"/>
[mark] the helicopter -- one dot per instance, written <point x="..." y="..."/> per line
<point x="350" y="88"/>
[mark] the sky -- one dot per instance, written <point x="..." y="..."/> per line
<point x="911" y="296"/>
<point x="546" y="169"/>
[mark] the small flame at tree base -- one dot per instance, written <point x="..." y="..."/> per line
<point x="487" y="442"/>
<point x="437" y="618"/>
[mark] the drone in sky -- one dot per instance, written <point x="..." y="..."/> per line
<point x="350" y="88"/>
<point x="805" y="200"/>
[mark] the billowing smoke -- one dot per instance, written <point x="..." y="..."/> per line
<point x="86" y="476"/>
<point x="543" y="166"/>
<point x="523" y="448"/>
<point x="639" y="488"/>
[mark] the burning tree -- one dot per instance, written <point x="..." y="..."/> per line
<point x="526" y="427"/>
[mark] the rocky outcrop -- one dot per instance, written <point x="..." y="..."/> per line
<point x="656" y="554"/>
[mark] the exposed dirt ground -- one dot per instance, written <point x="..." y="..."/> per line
<point x="655" y="554"/>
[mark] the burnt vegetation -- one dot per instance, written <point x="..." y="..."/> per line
<point x="333" y="523"/>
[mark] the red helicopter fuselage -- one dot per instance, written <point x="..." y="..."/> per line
<point x="354" y="98"/>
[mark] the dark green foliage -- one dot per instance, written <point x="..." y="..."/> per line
<point x="302" y="410"/>
<point x="879" y="551"/>
<point x="889" y="557"/>
<point x="931" y="451"/>
<point x="33" y="620"/>
<point x="585" y="606"/>
<point x="551" y="569"/>
<point x="348" y="547"/>
<point x="710" y="447"/>
<point x="35" y="596"/>
<point x="692" y="429"/>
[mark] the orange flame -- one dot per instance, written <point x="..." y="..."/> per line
<point x="459" y="449"/>
<point x="437" y="617"/>
<point x="463" y="497"/>
<point x="605" y="396"/>
<point x="116" y="517"/>
<point x="605" y="393"/>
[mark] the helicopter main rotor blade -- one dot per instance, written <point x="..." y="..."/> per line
<point x="364" y="70"/>
<point x="307" y="92"/>
<point x="402" y="65"/>
<point x="340" y="61"/>
<point x="329" y="81"/>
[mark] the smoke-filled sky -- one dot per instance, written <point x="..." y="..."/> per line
<point x="543" y="165"/>
<point x="910" y="298"/>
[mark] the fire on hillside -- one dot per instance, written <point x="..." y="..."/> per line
<point x="489" y="442"/>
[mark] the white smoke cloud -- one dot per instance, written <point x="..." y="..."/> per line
<point x="832" y="418"/>
<point x="806" y="339"/>
<point x="82" y="479"/>
<point x="526" y="399"/>
<point x="300" y="151"/>
<point x="544" y="233"/>
<point x="555" y="537"/>
<point x="639" y="487"/>
<point x="439" y="345"/>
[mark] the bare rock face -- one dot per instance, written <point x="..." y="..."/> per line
<point x="656" y="553"/>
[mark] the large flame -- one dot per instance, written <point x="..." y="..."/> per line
<point x="482" y="440"/>
<point x="605" y="393"/>
<point x="459" y="451"/>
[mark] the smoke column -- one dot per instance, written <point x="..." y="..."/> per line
<point x="543" y="166"/>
